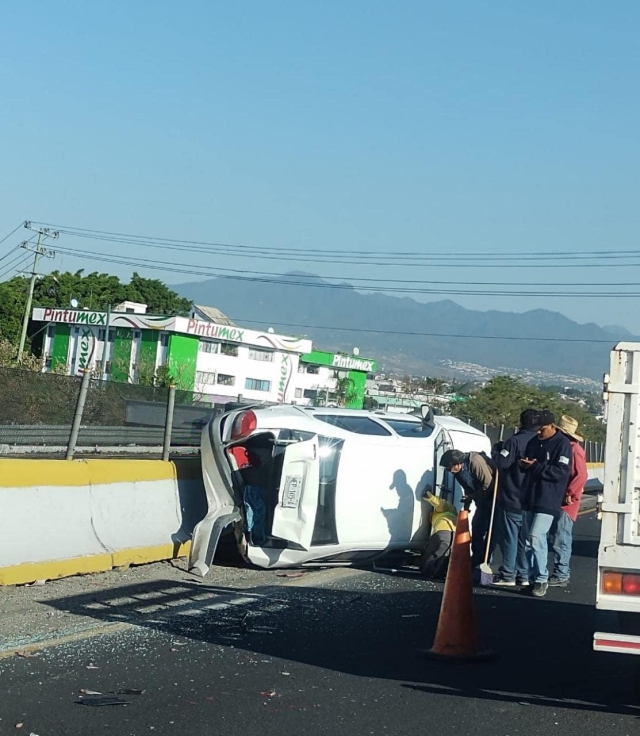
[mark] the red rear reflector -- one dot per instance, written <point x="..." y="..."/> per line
<point x="243" y="424"/>
<point x="631" y="584"/>
<point x="618" y="583"/>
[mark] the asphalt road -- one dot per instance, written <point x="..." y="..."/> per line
<point x="330" y="653"/>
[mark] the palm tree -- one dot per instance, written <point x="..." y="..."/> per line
<point x="345" y="390"/>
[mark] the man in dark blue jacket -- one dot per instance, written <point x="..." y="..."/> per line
<point x="511" y="538"/>
<point x="547" y="465"/>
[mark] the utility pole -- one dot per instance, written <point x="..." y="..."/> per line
<point x="105" y="347"/>
<point x="38" y="252"/>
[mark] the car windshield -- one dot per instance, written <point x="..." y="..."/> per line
<point x="409" y="429"/>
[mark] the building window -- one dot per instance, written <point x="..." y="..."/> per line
<point x="298" y="393"/>
<point x="209" y="346"/>
<point x="313" y="369"/>
<point x="229" y="348"/>
<point x="266" y="356"/>
<point x="310" y="393"/>
<point x="205" y="378"/>
<point x="226" y="380"/>
<point x="255" y="384"/>
<point x="164" y="339"/>
<point x="102" y="332"/>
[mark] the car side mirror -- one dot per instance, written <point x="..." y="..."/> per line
<point x="427" y="415"/>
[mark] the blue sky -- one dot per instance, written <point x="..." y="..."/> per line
<point x="361" y="125"/>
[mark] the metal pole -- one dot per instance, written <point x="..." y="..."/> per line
<point x="501" y="432"/>
<point x="77" y="419"/>
<point x="105" y="347"/>
<point x="27" y="311"/>
<point x="168" y="425"/>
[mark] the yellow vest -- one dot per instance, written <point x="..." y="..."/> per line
<point x="444" y="516"/>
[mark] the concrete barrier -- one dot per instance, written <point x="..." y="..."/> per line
<point x="63" y="518"/>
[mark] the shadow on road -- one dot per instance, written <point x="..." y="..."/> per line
<point x="543" y="646"/>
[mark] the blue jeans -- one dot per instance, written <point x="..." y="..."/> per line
<point x="562" y="546"/>
<point x="255" y="506"/>
<point x="511" y="538"/>
<point x="537" y="545"/>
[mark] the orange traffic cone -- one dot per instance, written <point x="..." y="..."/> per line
<point x="457" y="632"/>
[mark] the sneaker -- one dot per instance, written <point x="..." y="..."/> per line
<point x="558" y="583"/>
<point x="523" y="583"/>
<point x="502" y="583"/>
<point x="540" y="590"/>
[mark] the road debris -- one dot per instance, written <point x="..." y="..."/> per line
<point x="99" y="701"/>
<point x="92" y="666"/>
<point x="130" y="691"/>
<point x="286" y="674"/>
<point x="19" y="725"/>
<point x="291" y="574"/>
<point x="269" y="694"/>
<point x="27" y="655"/>
<point x="89" y="692"/>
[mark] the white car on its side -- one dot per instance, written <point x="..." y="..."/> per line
<point x="343" y="486"/>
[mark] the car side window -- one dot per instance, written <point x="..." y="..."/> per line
<point x="358" y="425"/>
<point x="409" y="429"/>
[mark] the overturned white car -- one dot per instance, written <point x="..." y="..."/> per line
<point x="339" y="486"/>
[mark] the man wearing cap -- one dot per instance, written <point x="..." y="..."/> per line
<point x="563" y="531"/>
<point x="511" y="534"/>
<point x="547" y="465"/>
<point x="475" y="472"/>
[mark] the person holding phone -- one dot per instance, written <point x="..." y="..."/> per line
<point x="547" y="467"/>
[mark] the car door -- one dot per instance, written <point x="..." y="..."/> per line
<point x="295" y="514"/>
<point x="222" y="505"/>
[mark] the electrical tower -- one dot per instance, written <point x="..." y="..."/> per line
<point x="38" y="252"/>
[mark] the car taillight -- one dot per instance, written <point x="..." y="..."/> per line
<point x="620" y="583"/>
<point x="243" y="425"/>
<point x="631" y="584"/>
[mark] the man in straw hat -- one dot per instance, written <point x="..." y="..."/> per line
<point x="547" y="464"/>
<point x="563" y="527"/>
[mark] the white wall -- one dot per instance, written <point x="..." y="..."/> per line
<point x="280" y="372"/>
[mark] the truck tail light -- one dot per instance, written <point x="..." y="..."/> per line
<point x="618" y="583"/>
<point x="243" y="425"/>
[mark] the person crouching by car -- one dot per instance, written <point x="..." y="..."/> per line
<point x="547" y="465"/>
<point x="475" y="473"/>
<point x="435" y="559"/>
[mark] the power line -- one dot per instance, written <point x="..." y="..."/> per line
<point x="10" y="267"/>
<point x="343" y="256"/>
<point x="288" y="281"/>
<point x="377" y="331"/>
<point x="15" y="230"/>
<point x="217" y="269"/>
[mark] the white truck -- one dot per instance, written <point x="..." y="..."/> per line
<point x="618" y="587"/>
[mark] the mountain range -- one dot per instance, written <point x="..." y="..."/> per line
<point x="406" y="335"/>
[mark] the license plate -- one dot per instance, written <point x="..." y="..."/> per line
<point x="291" y="492"/>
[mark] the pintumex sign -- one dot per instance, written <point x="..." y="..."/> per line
<point x="340" y="361"/>
<point x="183" y="325"/>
